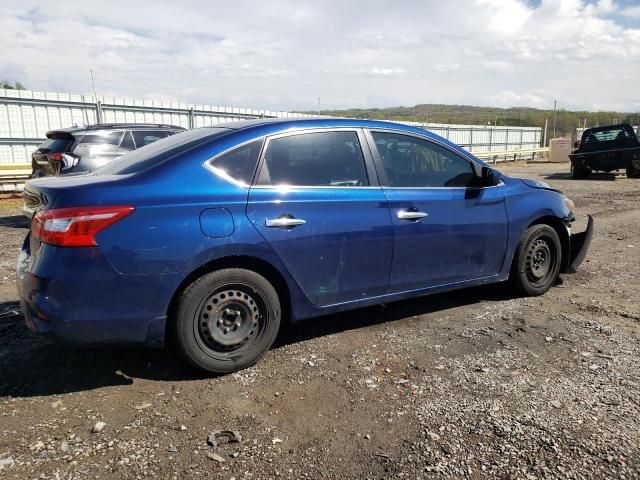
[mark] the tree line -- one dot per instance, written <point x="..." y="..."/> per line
<point x="566" y="121"/>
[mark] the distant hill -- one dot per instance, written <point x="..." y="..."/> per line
<point x="566" y="121"/>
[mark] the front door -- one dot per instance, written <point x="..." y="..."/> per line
<point x="445" y="232"/>
<point x="318" y="206"/>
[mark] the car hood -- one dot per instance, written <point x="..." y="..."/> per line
<point x="538" y="184"/>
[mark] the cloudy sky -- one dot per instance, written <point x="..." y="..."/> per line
<point x="350" y="53"/>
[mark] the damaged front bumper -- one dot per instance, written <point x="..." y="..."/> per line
<point x="579" y="246"/>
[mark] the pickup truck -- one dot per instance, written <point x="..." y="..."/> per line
<point x="605" y="149"/>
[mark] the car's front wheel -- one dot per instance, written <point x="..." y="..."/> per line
<point x="536" y="263"/>
<point x="227" y="319"/>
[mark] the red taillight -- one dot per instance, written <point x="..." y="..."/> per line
<point x="54" y="156"/>
<point x="75" y="226"/>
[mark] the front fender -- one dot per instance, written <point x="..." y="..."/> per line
<point x="527" y="206"/>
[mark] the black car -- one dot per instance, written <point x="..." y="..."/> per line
<point x="607" y="148"/>
<point x="83" y="149"/>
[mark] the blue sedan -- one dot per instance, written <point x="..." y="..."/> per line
<point x="217" y="236"/>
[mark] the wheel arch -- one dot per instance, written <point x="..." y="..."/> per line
<point x="247" y="262"/>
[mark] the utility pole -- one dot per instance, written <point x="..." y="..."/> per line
<point x="544" y="135"/>
<point x="95" y="95"/>
<point x="555" y="107"/>
<point x="318" y="105"/>
<point x="95" y="99"/>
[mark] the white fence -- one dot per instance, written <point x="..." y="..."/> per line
<point x="26" y="116"/>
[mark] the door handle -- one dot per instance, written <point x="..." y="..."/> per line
<point x="284" y="222"/>
<point x="411" y="215"/>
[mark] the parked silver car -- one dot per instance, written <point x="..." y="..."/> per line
<point x="83" y="149"/>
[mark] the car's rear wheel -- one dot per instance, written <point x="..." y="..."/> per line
<point x="227" y="319"/>
<point x="580" y="173"/>
<point x="536" y="263"/>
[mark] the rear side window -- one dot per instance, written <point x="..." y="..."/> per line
<point x="160" y="151"/>
<point x="412" y="162"/>
<point x="315" y="159"/>
<point x="145" y="137"/>
<point x="240" y="163"/>
<point x="55" y="145"/>
<point x="102" y="138"/>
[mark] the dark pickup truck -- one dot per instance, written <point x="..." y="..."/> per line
<point x="607" y="148"/>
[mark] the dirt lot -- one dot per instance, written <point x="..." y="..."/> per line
<point x="473" y="384"/>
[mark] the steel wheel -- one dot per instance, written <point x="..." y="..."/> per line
<point x="536" y="263"/>
<point x="229" y="318"/>
<point x="541" y="259"/>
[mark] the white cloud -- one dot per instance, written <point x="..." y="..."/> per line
<point x="387" y="71"/>
<point x="285" y="54"/>
<point x="507" y="16"/>
<point x="508" y="98"/>
<point x="632" y="12"/>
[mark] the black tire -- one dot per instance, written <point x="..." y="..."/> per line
<point x="227" y="319"/>
<point x="633" y="172"/>
<point x="536" y="263"/>
<point x="580" y="173"/>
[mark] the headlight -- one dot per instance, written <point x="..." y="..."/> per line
<point x="570" y="205"/>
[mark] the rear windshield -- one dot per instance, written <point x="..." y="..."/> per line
<point x="160" y="151"/>
<point x="55" y="145"/>
<point x="612" y="134"/>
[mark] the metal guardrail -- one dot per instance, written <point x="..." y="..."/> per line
<point x="493" y="156"/>
<point x="13" y="178"/>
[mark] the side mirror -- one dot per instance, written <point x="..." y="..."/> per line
<point x="487" y="177"/>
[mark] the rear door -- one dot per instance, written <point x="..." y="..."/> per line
<point x="321" y="210"/>
<point x="445" y="232"/>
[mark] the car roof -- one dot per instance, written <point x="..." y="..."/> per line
<point x="267" y="126"/>
<point x="311" y="122"/>
<point x="115" y="126"/>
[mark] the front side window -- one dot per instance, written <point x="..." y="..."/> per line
<point x="412" y="162"/>
<point x="240" y="163"/>
<point x="331" y="159"/>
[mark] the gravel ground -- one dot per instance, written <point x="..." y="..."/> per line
<point x="474" y="384"/>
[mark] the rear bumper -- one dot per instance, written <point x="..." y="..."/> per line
<point x="598" y="163"/>
<point x="74" y="295"/>
<point x="579" y="246"/>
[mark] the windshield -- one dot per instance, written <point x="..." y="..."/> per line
<point x="160" y="151"/>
